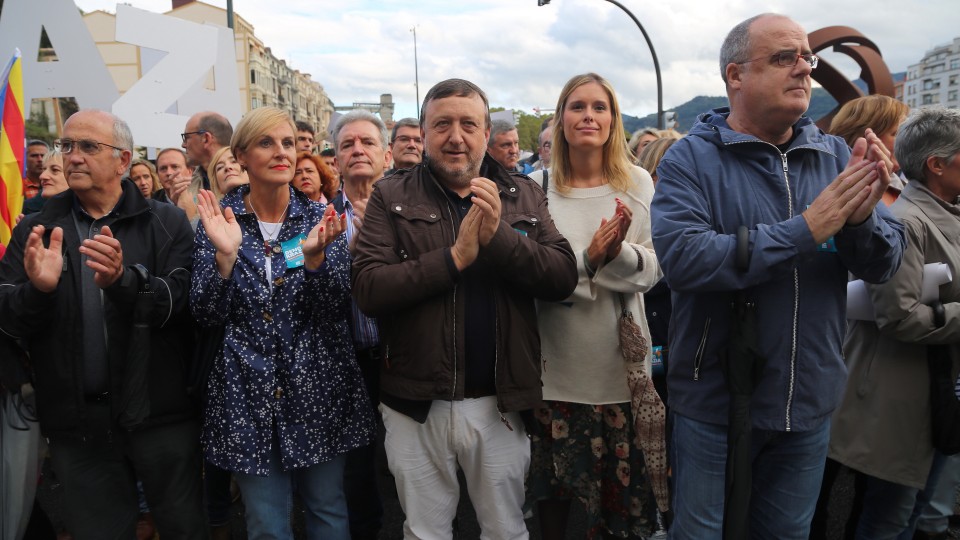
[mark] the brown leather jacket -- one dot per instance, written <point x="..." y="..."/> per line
<point x="401" y="276"/>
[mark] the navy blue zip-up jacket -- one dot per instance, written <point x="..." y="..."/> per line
<point x="710" y="183"/>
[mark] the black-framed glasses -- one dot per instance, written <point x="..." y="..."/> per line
<point x="86" y="146"/>
<point x="546" y="144"/>
<point x="184" y="136"/>
<point x="788" y="59"/>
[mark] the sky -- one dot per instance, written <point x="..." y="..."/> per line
<point x="522" y="54"/>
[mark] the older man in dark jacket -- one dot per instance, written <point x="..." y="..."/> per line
<point x="450" y="258"/>
<point x="95" y="286"/>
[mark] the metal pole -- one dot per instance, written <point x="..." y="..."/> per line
<point x="416" y="69"/>
<point x="656" y="63"/>
<point x="230" y="14"/>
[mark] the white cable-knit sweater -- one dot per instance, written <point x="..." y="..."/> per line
<point x="582" y="362"/>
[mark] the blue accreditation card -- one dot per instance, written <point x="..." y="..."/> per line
<point x="656" y="362"/>
<point x="830" y="246"/>
<point x="293" y="251"/>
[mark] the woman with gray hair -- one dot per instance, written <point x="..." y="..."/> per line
<point x="883" y="427"/>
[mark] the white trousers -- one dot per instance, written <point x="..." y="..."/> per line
<point x="424" y="457"/>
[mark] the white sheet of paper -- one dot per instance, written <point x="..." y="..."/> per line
<point x="859" y="306"/>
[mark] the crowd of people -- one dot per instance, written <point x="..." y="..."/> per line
<point x="249" y="311"/>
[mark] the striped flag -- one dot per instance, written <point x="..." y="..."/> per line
<point x="12" y="151"/>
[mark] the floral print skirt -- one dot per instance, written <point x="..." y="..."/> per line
<point x="587" y="452"/>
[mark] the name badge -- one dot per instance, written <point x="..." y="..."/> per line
<point x="293" y="251"/>
<point x="656" y="362"/>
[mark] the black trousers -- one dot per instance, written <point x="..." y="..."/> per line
<point x="99" y="475"/>
<point x="360" y="474"/>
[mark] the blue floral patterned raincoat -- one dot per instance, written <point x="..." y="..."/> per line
<point x="286" y="371"/>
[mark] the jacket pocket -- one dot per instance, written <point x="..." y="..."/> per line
<point x="701" y="350"/>
<point x="527" y="224"/>
<point x="418" y="227"/>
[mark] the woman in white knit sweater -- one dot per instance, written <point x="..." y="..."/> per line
<point x="601" y="203"/>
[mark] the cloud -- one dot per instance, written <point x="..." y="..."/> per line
<point x="521" y="54"/>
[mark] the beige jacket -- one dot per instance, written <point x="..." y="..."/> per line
<point x="882" y="428"/>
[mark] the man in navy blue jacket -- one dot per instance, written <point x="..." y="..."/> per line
<point x="810" y="204"/>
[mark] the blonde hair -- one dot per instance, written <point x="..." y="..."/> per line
<point x="254" y="124"/>
<point x="616" y="156"/>
<point x="212" y="171"/>
<point x="638" y="134"/>
<point x="153" y="173"/>
<point x="651" y="155"/>
<point x="877" y="112"/>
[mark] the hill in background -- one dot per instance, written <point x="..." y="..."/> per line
<point x="821" y="103"/>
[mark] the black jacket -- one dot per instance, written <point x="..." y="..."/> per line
<point x="151" y="234"/>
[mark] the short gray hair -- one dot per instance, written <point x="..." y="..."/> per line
<point x="736" y="46"/>
<point x="929" y="132"/>
<point x="404" y="122"/>
<point x="360" y="115"/>
<point x="497" y="127"/>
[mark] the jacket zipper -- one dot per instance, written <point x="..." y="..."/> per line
<point x="701" y="349"/>
<point x="796" y="301"/>
<point x="796" y="275"/>
<point x="453" y="231"/>
<point x="496" y="365"/>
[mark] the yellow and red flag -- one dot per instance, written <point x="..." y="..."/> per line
<point x="12" y="151"/>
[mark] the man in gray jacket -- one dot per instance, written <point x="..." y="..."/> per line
<point x="450" y="258"/>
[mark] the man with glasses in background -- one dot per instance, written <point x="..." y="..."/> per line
<point x="543" y="150"/>
<point x="205" y="133"/>
<point x="95" y="285"/>
<point x="406" y="145"/>
<point x="810" y="206"/>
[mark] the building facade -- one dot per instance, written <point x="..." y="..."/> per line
<point x="936" y="79"/>
<point x="264" y="79"/>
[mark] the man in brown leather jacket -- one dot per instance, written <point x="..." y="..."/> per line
<point x="450" y="258"/>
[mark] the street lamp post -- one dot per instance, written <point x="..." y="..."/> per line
<point x="656" y="63"/>
<point x="416" y="69"/>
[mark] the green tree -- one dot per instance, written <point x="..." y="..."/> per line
<point x="36" y="128"/>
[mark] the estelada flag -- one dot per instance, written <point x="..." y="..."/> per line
<point x="12" y="151"/>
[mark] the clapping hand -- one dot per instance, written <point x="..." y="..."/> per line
<point x="322" y="235"/>
<point x="486" y="195"/>
<point x="222" y="229"/>
<point x="43" y="264"/>
<point x="104" y="256"/>
<point x="606" y="241"/>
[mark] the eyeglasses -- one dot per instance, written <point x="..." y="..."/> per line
<point x="546" y="144"/>
<point x="184" y="136"/>
<point x="788" y="59"/>
<point x="404" y="139"/>
<point x="86" y="146"/>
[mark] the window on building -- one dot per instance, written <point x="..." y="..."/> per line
<point x="955" y="63"/>
<point x="254" y="103"/>
<point x="253" y="76"/>
<point x="927" y="99"/>
<point x="952" y="95"/>
<point x="953" y="80"/>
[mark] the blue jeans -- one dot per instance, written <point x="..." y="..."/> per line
<point x="886" y="509"/>
<point x="891" y="511"/>
<point x="269" y="500"/>
<point x="787" y="471"/>
<point x="935" y="515"/>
